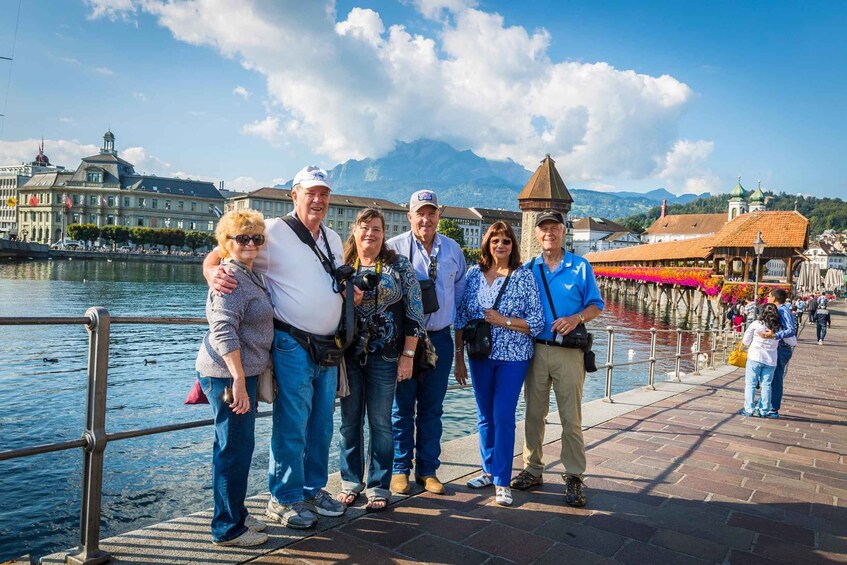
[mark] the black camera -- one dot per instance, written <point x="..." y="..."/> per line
<point x="364" y="281"/>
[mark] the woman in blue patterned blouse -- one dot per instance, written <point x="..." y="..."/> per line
<point x="498" y="379"/>
<point x="390" y="322"/>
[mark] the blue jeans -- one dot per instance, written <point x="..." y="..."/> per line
<point x="758" y="373"/>
<point x="820" y="329"/>
<point x="419" y="436"/>
<point x="231" y="457"/>
<point x="783" y="356"/>
<point x="302" y="422"/>
<point x="496" y="387"/>
<point x="372" y="389"/>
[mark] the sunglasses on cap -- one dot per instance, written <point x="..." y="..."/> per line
<point x="242" y="239"/>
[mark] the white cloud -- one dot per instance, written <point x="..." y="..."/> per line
<point x="67" y="153"/>
<point x="351" y="86"/>
<point x="242" y="92"/>
<point x="104" y="70"/>
<point x="68" y="121"/>
<point x="140" y="96"/>
<point x="684" y="167"/>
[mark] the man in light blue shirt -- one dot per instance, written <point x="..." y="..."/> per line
<point x="787" y="340"/>
<point x="569" y="296"/>
<point x="419" y="402"/>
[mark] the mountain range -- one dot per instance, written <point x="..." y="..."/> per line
<point x="462" y="178"/>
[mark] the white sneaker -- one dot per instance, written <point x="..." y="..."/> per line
<point x="503" y="496"/>
<point x="820" y="342"/>
<point x="255" y="524"/>
<point x="248" y="539"/>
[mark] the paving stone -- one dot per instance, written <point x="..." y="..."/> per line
<point x="381" y="531"/>
<point x="432" y="549"/>
<point x="594" y="540"/>
<point x="691" y="545"/>
<point x="621" y="526"/>
<point x="427" y="516"/>
<point x="737" y="557"/>
<point x="639" y="553"/>
<point x="561" y="554"/>
<point x="334" y="546"/>
<point x="774" y="529"/>
<point x="785" y="552"/>
<point x="509" y="543"/>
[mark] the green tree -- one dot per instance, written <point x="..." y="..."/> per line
<point x="471" y="255"/>
<point x="196" y="239"/>
<point x="84" y="232"/>
<point x="451" y="229"/>
<point x="171" y="238"/>
<point x="141" y="236"/>
<point x="115" y="234"/>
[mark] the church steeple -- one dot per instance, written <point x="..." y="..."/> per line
<point x="737" y="204"/>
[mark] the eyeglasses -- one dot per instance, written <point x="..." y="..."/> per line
<point x="242" y="239"/>
<point x="505" y="241"/>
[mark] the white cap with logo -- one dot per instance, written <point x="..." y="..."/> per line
<point x="312" y="176"/>
<point x="423" y="198"/>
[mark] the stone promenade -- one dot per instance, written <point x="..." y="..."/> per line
<point x="675" y="476"/>
<point x="684" y="480"/>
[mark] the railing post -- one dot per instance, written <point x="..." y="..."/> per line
<point x="651" y="376"/>
<point x="714" y="349"/>
<point x="725" y="344"/>
<point x="610" y="355"/>
<point x="95" y="434"/>
<point x="697" y="354"/>
<point x="678" y="354"/>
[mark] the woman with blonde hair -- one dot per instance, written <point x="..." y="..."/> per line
<point x="503" y="293"/>
<point x="235" y="350"/>
<point x="390" y="322"/>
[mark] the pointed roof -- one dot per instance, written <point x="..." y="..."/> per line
<point x="758" y="195"/>
<point x="737" y="191"/>
<point x="546" y="184"/>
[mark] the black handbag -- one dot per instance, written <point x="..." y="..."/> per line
<point x="477" y="332"/>
<point x="425" y="357"/>
<point x="428" y="296"/>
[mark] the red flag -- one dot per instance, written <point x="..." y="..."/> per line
<point x="103" y="200"/>
<point x="68" y="202"/>
<point x="33" y="200"/>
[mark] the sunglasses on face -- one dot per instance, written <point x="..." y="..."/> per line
<point x="242" y="239"/>
<point x="505" y="241"/>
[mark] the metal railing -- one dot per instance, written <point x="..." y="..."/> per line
<point x="95" y="438"/>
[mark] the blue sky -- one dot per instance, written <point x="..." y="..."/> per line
<point x="625" y="95"/>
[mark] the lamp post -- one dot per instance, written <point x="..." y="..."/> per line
<point x="758" y="248"/>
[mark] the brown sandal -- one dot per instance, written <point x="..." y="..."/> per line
<point x="376" y="504"/>
<point x="347" y="497"/>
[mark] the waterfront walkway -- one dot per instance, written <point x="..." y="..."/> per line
<point x="675" y="476"/>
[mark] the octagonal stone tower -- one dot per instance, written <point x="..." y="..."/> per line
<point x="545" y="189"/>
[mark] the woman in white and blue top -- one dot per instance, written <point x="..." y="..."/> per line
<point x="498" y="379"/>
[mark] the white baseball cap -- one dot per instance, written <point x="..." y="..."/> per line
<point x="312" y="176"/>
<point x="423" y="198"/>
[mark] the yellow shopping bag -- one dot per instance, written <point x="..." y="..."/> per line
<point x="738" y="356"/>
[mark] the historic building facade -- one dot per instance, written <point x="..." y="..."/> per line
<point x="105" y="190"/>
<point x="12" y="178"/>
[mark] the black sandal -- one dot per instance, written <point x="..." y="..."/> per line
<point x="347" y="497"/>
<point x="376" y="504"/>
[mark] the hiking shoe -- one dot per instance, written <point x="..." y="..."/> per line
<point x="772" y="415"/>
<point x="526" y="480"/>
<point x="248" y="539"/>
<point x="431" y="484"/>
<point x="399" y="483"/>
<point x="325" y="505"/>
<point x="254" y="523"/>
<point x="295" y="515"/>
<point x="503" y="496"/>
<point x="574" y="495"/>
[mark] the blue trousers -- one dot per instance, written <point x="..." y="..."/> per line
<point x="231" y="457"/>
<point x="496" y="387"/>
<point x="302" y="422"/>
<point x="371" y="388"/>
<point x="758" y="373"/>
<point x="783" y="356"/>
<point x="820" y="330"/>
<point x="418" y="406"/>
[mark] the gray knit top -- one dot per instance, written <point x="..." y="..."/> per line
<point x="241" y="320"/>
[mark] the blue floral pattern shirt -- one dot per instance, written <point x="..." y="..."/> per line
<point x="519" y="300"/>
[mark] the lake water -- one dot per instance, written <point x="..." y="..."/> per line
<point x="152" y="479"/>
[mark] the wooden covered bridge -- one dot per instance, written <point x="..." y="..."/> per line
<point x="703" y="273"/>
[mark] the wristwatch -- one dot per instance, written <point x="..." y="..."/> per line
<point x="409" y="353"/>
<point x="581" y="318"/>
<point x="509" y="322"/>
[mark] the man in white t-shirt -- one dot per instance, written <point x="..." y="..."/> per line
<point x="305" y="298"/>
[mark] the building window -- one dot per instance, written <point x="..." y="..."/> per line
<point x="193" y="206"/>
<point x="193" y="225"/>
<point x="210" y="226"/>
<point x="167" y="204"/>
<point x="279" y="207"/>
<point x="180" y="205"/>
<point x="92" y="200"/>
<point x="93" y="177"/>
<point x="141" y="202"/>
<point x="180" y="224"/>
<point x="92" y="218"/>
<point x="268" y="206"/>
<point x="154" y="203"/>
<point x="126" y="201"/>
<point x="75" y="219"/>
<point x="110" y="220"/>
<point x="141" y="222"/>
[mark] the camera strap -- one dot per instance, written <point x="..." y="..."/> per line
<point x="433" y="260"/>
<point x="546" y="286"/>
<point x="302" y="232"/>
<point x="378" y="273"/>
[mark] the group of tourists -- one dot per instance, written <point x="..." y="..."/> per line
<point x="369" y="321"/>
<point x="815" y="306"/>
